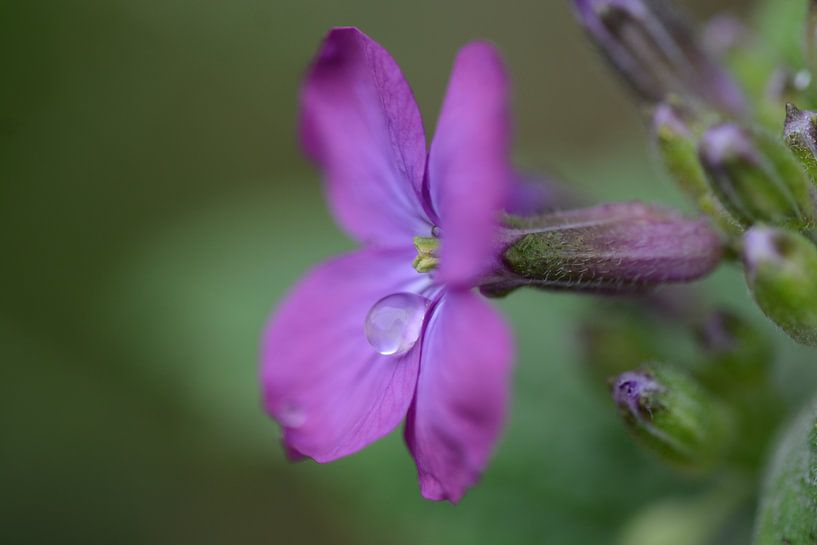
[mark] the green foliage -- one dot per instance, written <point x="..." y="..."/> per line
<point x="788" y="508"/>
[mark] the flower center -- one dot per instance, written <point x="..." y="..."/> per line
<point x="427" y="250"/>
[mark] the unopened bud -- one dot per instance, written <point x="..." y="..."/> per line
<point x="678" y="148"/>
<point x="672" y="416"/>
<point x="657" y="53"/>
<point x="613" y="248"/>
<point x="781" y="271"/>
<point x="756" y="178"/>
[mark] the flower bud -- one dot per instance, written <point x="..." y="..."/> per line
<point x="613" y="248"/>
<point x="672" y="416"/>
<point x="656" y="52"/>
<point x="678" y="149"/>
<point x="788" y="504"/>
<point x="781" y="271"/>
<point x="800" y="135"/>
<point x="756" y="178"/>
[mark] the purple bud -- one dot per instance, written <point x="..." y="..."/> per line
<point x="656" y="52"/>
<point x="756" y="178"/>
<point x="763" y="245"/>
<point x="671" y="415"/>
<point x="727" y="142"/>
<point x="670" y="118"/>
<point x="613" y="248"/>
<point x="781" y="272"/>
<point x="634" y="392"/>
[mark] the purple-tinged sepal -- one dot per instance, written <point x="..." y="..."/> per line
<point x="612" y="248"/>
<point x="656" y="52"/>
<point x="781" y="271"/>
<point x="672" y="416"/>
<point x="756" y="178"/>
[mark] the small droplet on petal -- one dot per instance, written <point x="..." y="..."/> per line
<point x="436" y="232"/>
<point x="394" y="323"/>
<point x="292" y="416"/>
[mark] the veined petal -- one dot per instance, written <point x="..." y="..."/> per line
<point x="360" y="123"/>
<point x="469" y="171"/>
<point x="322" y="381"/>
<point x="459" y="407"/>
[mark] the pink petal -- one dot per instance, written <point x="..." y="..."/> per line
<point x="360" y="123"/>
<point x="459" y="407"/>
<point x="469" y="170"/>
<point x="322" y="381"/>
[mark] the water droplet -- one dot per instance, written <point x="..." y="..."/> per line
<point x="292" y="416"/>
<point x="394" y="323"/>
<point x="436" y="232"/>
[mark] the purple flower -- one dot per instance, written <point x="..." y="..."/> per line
<point x="365" y="341"/>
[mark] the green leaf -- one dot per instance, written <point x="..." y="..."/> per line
<point x="788" y="508"/>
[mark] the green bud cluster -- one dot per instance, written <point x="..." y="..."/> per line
<point x="734" y="122"/>
<point x="753" y="174"/>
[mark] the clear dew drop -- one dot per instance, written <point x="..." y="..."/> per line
<point x="394" y="323"/>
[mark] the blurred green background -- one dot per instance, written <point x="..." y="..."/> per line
<point x="155" y="207"/>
